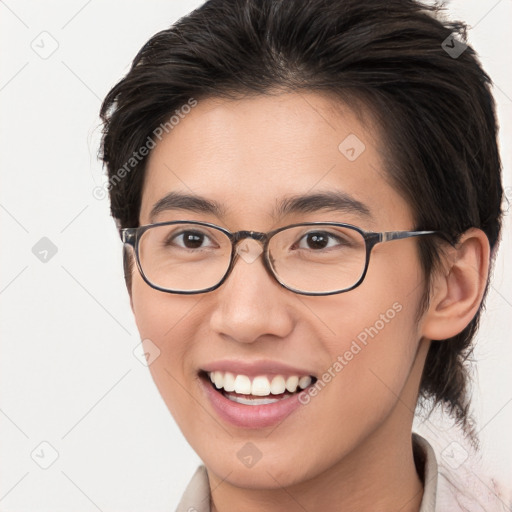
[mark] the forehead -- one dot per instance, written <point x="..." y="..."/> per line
<point x="249" y="154"/>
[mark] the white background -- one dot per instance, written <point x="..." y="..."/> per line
<point x="67" y="369"/>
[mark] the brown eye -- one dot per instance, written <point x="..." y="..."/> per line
<point x="189" y="240"/>
<point x="317" y="240"/>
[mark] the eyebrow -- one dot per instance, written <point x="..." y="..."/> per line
<point x="308" y="203"/>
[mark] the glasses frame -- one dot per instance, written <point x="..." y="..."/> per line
<point x="132" y="237"/>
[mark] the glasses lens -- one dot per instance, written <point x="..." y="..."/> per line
<point x="318" y="259"/>
<point x="184" y="257"/>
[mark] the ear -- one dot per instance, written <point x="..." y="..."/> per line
<point x="458" y="286"/>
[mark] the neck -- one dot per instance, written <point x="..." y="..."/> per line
<point x="379" y="475"/>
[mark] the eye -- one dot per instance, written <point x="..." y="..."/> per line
<point x="190" y="240"/>
<point x="317" y="240"/>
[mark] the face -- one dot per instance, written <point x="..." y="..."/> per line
<point x="363" y="348"/>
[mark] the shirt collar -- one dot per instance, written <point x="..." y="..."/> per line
<point x="426" y="465"/>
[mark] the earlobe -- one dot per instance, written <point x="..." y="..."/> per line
<point x="458" y="287"/>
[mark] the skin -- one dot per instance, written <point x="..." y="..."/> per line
<point x="350" y="447"/>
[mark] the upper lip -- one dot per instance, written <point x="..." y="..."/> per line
<point x="255" y="368"/>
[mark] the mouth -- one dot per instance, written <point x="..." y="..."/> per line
<point x="260" y="390"/>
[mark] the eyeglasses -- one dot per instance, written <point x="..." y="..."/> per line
<point x="312" y="258"/>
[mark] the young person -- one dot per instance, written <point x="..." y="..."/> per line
<point x="309" y="194"/>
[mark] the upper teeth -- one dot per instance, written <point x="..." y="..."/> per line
<point x="259" y="386"/>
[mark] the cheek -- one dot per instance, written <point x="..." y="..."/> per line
<point x="372" y="340"/>
<point x="166" y="321"/>
<point x="158" y="314"/>
<point x="370" y="359"/>
<point x="375" y="339"/>
<point x="377" y="356"/>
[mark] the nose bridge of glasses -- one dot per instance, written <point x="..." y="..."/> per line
<point x="245" y="249"/>
<point x="255" y="235"/>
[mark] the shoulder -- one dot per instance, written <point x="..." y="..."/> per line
<point x="469" y="490"/>
<point x="455" y="480"/>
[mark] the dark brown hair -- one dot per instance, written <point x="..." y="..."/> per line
<point x="427" y="91"/>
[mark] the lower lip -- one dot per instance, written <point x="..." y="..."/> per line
<point x="251" y="416"/>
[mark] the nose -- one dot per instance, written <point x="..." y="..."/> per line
<point x="251" y="304"/>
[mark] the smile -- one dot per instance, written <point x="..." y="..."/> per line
<point x="244" y="390"/>
<point x="256" y="401"/>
